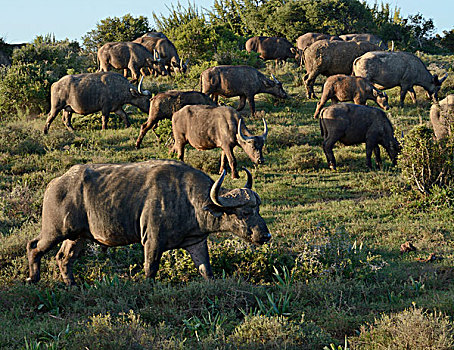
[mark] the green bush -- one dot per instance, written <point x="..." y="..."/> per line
<point x="410" y="329"/>
<point x="425" y="162"/>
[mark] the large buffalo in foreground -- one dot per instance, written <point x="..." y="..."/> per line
<point x="166" y="51"/>
<point x="271" y="48"/>
<point x="387" y="69"/>
<point x="88" y="93"/>
<point x="329" y="57"/>
<point x="366" y="37"/>
<point x="207" y="127"/>
<point x="161" y="204"/>
<point x="344" y="88"/>
<point x="126" y="56"/>
<point x="354" y="124"/>
<point x="442" y="117"/>
<point x="243" y="81"/>
<point x="306" y="40"/>
<point x="164" y="104"/>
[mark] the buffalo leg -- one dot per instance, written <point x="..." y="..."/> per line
<point x="66" y="256"/>
<point x="200" y="257"/>
<point x="412" y="93"/>
<point x="67" y="120"/>
<point x="377" y="157"/>
<point x="223" y="160"/>
<point x="178" y="147"/>
<point x="232" y="161"/>
<point x="309" y="80"/>
<point x="121" y="113"/>
<point x="36" y="248"/>
<point x="371" y="145"/>
<point x="53" y="113"/>
<point x="321" y="103"/>
<point x="328" y="145"/>
<point x="251" y="101"/>
<point x="149" y="124"/>
<point x="152" y="257"/>
<point x="242" y="103"/>
<point x="403" y="92"/>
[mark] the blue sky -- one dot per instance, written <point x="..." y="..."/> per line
<point x="22" y="21"/>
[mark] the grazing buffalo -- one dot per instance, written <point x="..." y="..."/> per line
<point x="306" y="40"/>
<point x="208" y="127"/>
<point x="88" y="93"/>
<point x="344" y="88"/>
<point x="330" y="57"/>
<point x="442" y="117"/>
<point x="271" y="48"/>
<point x="166" y="51"/>
<point x="161" y="204"/>
<point x="126" y="55"/>
<point x="354" y="124"/>
<point x="387" y="69"/>
<point x="243" y="81"/>
<point x="164" y="104"/>
<point x="366" y="37"/>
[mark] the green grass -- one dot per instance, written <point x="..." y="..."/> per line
<point x="336" y="240"/>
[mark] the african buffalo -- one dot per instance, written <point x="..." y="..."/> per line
<point x="161" y="204"/>
<point x="366" y="37"/>
<point x="442" y="117"/>
<point x="126" y="55"/>
<point x="164" y="104"/>
<point x="387" y="69"/>
<point x="208" y="127"/>
<point x="271" y="48"/>
<point x="330" y="57"/>
<point x="88" y="93"/>
<point x="306" y="40"/>
<point x="344" y="88"/>
<point x="243" y="81"/>
<point x="354" y="124"/>
<point x="167" y="52"/>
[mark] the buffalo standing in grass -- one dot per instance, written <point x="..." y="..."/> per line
<point x="271" y="48"/>
<point x="89" y="93"/>
<point x="442" y="117"/>
<point x="161" y="204"/>
<point x="243" y="81"/>
<point x="207" y="127"/>
<point x="387" y="69"/>
<point x="354" y="124"/>
<point x="126" y="56"/>
<point x="344" y="88"/>
<point x="164" y="104"/>
<point x="330" y="57"/>
<point x="306" y="40"/>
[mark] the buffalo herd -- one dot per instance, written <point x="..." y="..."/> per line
<point x="166" y="204"/>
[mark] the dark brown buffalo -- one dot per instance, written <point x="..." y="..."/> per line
<point x="344" y="88"/>
<point x="354" y="124"/>
<point x="126" y="55"/>
<point x="306" y="40"/>
<point x="167" y="52"/>
<point x="365" y="37"/>
<point x="89" y="93"/>
<point x="161" y="204"/>
<point x="271" y="48"/>
<point x="243" y="81"/>
<point x="164" y="104"/>
<point x="387" y="69"/>
<point x="330" y="57"/>
<point x="442" y="117"/>
<point x="208" y="127"/>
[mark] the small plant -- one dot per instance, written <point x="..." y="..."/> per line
<point x="49" y="301"/>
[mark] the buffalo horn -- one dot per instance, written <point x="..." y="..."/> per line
<point x="214" y="192"/>
<point x="384" y="94"/>
<point x="274" y="78"/>
<point x="240" y="133"/>
<point x="249" y="179"/>
<point x="139" y="88"/>
<point x="265" y="130"/>
<point x="444" y="78"/>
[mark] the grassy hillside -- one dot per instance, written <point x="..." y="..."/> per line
<point x="332" y="270"/>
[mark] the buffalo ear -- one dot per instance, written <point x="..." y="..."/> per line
<point x="214" y="210"/>
<point x="134" y="92"/>
<point x="292" y="50"/>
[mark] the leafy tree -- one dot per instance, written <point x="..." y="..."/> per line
<point x="447" y="41"/>
<point x="126" y="28"/>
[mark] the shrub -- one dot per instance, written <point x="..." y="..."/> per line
<point x="410" y="329"/>
<point x="425" y="162"/>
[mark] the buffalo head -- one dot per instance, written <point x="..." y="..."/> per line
<point x="238" y="210"/>
<point x="436" y="85"/>
<point x="381" y="98"/>
<point x="274" y="87"/>
<point x="252" y="145"/>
